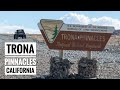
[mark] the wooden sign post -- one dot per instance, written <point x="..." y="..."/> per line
<point x="61" y="36"/>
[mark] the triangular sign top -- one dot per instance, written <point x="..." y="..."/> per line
<point x="51" y="28"/>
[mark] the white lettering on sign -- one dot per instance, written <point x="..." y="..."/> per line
<point x="87" y="28"/>
<point x="83" y="37"/>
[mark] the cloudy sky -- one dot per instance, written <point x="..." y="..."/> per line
<point x="27" y="20"/>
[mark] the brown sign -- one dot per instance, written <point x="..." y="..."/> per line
<point x="74" y="37"/>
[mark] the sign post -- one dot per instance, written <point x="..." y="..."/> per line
<point x="89" y="54"/>
<point x="61" y="53"/>
<point x="61" y="36"/>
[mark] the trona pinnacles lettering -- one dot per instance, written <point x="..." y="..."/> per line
<point x="20" y="58"/>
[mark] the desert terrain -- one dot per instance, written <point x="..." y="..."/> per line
<point x="108" y="61"/>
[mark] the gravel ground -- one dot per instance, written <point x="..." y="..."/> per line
<point x="108" y="62"/>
